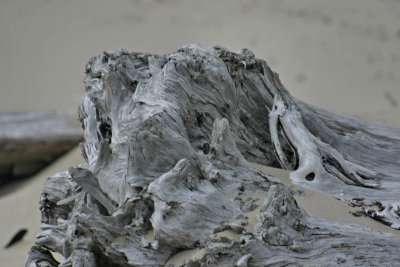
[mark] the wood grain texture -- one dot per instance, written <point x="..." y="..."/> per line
<point x="168" y="141"/>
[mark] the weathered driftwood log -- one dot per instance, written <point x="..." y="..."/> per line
<point x="168" y="145"/>
<point x="31" y="140"/>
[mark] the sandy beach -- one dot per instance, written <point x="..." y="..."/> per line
<point x="19" y="204"/>
<point x="22" y="204"/>
<point x="339" y="55"/>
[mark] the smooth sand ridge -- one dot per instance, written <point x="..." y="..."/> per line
<point x="20" y="209"/>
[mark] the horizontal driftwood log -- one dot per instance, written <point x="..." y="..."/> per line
<point x="168" y="141"/>
<point x="31" y="140"/>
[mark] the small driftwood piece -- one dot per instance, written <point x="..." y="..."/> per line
<point x="31" y="140"/>
<point x="168" y="141"/>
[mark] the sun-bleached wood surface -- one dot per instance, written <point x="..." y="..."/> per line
<point x="168" y="141"/>
<point x="29" y="141"/>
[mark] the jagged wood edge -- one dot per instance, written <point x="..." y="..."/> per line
<point x="141" y="74"/>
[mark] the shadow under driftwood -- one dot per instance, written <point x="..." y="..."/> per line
<point x="29" y="141"/>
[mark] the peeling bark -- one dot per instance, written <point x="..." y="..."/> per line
<point x="168" y="141"/>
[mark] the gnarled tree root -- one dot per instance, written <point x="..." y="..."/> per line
<point x="168" y="140"/>
<point x="317" y="160"/>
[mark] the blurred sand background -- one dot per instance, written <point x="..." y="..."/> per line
<point x="341" y="55"/>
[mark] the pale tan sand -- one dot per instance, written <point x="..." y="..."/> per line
<point x="252" y="215"/>
<point x="197" y="253"/>
<point x="150" y="236"/>
<point x="20" y="209"/>
<point x="326" y="206"/>
<point x="186" y="255"/>
<point x="341" y="55"/>
<point x="314" y="203"/>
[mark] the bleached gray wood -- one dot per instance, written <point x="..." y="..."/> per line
<point x="317" y="160"/>
<point x="31" y="140"/>
<point x="168" y="141"/>
<point x="88" y="182"/>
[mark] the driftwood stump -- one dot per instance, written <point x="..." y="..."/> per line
<point x="168" y="141"/>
